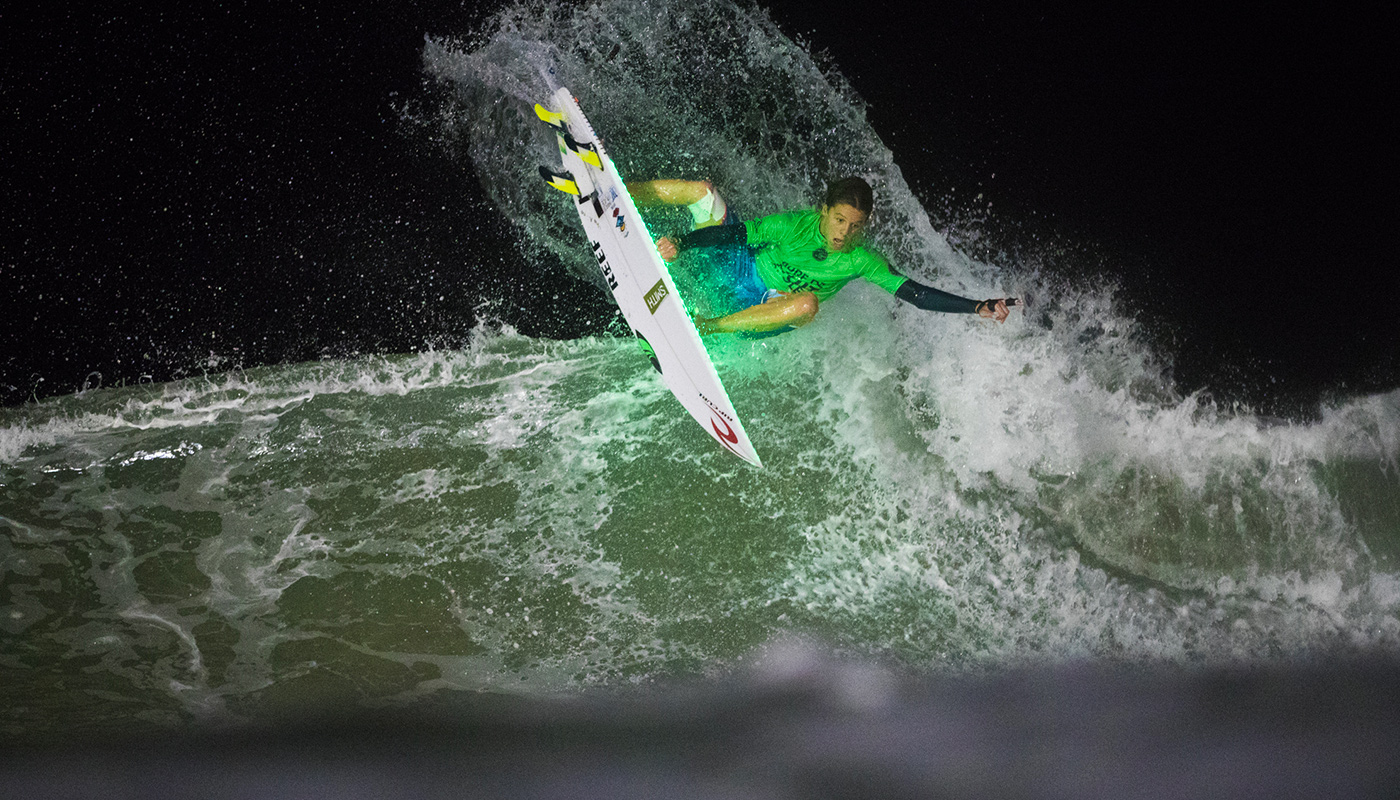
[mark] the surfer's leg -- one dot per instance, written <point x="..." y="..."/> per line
<point x="783" y="311"/>
<point x="668" y="192"/>
<point x="705" y="204"/>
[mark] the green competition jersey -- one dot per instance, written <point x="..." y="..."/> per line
<point x="793" y="257"/>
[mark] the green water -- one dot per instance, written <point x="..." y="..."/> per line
<point x="535" y="517"/>
<point x="540" y="517"/>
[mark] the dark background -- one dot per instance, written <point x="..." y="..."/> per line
<point x="199" y="188"/>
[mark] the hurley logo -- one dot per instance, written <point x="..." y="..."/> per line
<point x="655" y="295"/>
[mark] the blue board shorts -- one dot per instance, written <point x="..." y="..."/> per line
<point x="740" y="271"/>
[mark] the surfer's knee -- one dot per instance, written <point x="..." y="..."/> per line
<point x="801" y="308"/>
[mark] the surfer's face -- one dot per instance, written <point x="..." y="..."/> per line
<point x="841" y="225"/>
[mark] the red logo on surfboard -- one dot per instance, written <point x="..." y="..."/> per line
<point x="727" y="437"/>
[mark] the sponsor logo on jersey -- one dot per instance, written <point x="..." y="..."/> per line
<point x="655" y="295"/>
<point x="799" y="281"/>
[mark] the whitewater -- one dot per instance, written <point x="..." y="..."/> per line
<point x="535" y="516"/>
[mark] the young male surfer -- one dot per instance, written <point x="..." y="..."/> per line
<point x="803" y="257"/>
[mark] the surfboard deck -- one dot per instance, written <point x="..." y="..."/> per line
<point x="637" y="276"/>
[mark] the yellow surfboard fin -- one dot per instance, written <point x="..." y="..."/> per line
<point x="549" y="117"/>
<point x="562" y="181"/>
<point x="587" y="152"/>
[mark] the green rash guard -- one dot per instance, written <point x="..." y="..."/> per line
<point x="787" y="260"/>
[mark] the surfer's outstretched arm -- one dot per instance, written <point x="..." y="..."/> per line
<point x="931" y="299"/>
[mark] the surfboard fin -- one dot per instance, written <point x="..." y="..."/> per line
<point x="562" y="181"/>
<point x="551" y="118"/>
<point x="587" y="152"/>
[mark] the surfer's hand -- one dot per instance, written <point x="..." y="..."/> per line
<point x="667" y="249"/>
<point x="997" y="309"/>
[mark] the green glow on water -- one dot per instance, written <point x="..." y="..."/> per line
<point x="531" y="516"/>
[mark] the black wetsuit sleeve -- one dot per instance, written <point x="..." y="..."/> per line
<point x="931" y="299"/>
<point x="714" y="236"/>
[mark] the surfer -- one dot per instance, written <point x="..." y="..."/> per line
<point x="802" y="259"/>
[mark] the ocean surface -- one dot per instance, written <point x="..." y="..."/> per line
<point x="536" y="516"/>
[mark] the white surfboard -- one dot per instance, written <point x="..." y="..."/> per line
<point x="638" y="277"/>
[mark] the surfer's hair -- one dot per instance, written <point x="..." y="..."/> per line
<point x="852" y="191"/>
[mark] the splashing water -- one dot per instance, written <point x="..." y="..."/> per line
<point x="533" y="516"/>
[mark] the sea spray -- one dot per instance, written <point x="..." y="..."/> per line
<point x="534" y="516"/>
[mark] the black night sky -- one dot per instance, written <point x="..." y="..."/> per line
<point x="212" y="186"/>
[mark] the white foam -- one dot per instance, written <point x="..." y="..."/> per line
<point x="938" y="487"/>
